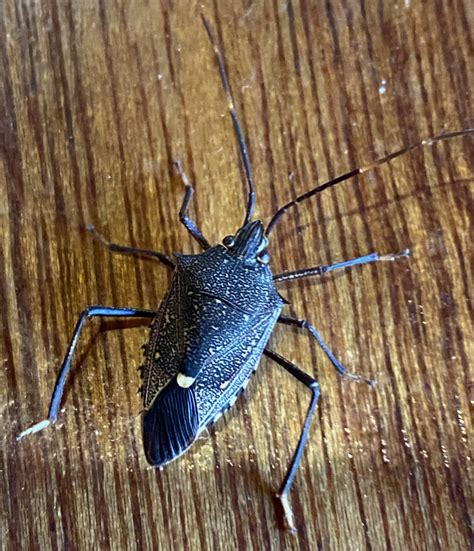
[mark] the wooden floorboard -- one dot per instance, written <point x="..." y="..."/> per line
<point x="96" y="101"/>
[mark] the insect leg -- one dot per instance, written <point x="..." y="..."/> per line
<point x="124" y="249"/>
<point x="286" y="320"/>
<point x="313" y="385"/>
<point x="320" y="270"/>
<point x="185" y="220"/>
<point x="90" y="312"/>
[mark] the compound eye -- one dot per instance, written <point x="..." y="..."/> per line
<point x="228" y="240"/>
<point x="264" y="257"/>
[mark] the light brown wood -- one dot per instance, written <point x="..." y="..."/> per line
<point x="97" y="99"/>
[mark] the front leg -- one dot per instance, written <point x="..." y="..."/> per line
<point x="320" y="270"/>
<point x="90" y="312"/>
<point x="184" y="218"/>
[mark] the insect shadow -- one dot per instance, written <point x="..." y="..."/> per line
<point x="213" y="326"/>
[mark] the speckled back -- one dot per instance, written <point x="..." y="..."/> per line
<point x="217" y="317"/>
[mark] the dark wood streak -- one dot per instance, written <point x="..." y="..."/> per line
<point x="80" y="132"/>
<point x="291" y="161"/>
<point x="240" y="106"/>
<point x="125" y="367"/>
<point x="456" y="494"/>
<point x="164" y="128"/>
<point x="421" y="359"/>
<point x="80" y="99"/>
<point x="314" y="357"/>
<point x="378" y="302"/>
<point x="358" y="196"/>
<point x="458" y="77"/>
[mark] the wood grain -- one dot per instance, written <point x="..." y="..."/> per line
<point x="97" y="99"/>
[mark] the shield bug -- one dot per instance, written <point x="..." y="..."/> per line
<point x="212" y="328"/>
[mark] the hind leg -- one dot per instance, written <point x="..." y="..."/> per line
<point x="313" y="385"/>
<point x="92" y="311"/>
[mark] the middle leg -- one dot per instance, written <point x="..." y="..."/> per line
<point x="125" y="249"/>
<point x="303" y="324"/>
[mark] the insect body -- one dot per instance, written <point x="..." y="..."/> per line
<point x="207" y="337"/>
<point x="206" y="341"/>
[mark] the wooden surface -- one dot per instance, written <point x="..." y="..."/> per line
<point x="97" y="99"/>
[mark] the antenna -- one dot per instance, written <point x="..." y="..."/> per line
<point x="235" y="120"/>
<point x="360" y="170"/>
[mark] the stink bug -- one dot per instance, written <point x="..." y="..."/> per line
<point x="208" y="335"/>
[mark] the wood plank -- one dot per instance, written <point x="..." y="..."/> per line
<point x="97" y="99"/>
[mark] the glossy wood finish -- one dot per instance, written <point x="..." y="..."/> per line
<point x="97" y="99"/>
